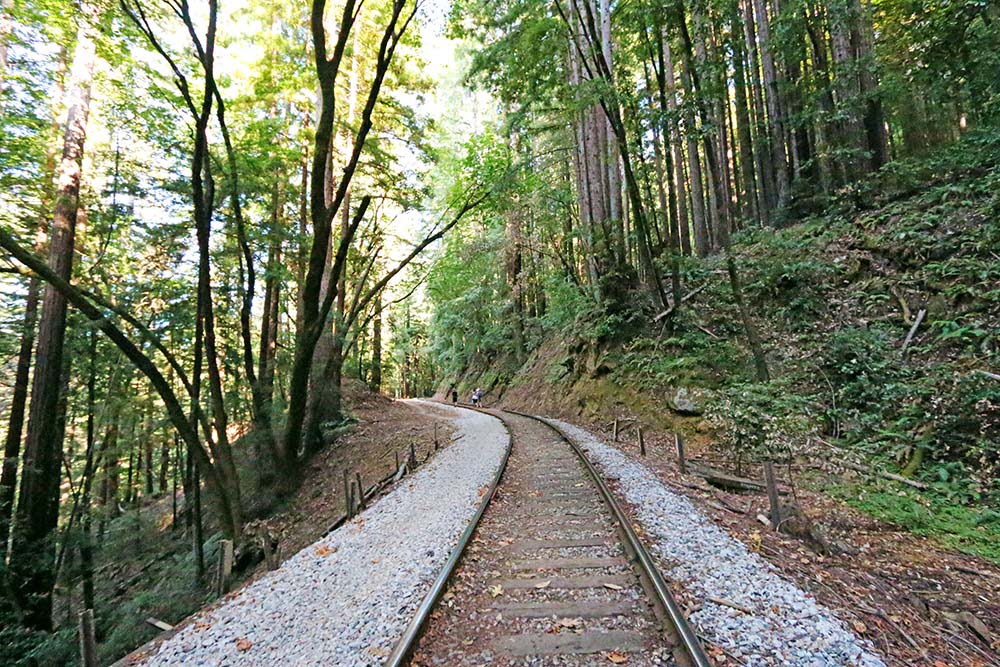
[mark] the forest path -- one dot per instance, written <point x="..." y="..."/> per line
<point x="346" y="598"/>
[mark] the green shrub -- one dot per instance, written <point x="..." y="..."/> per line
<point x="759" y="421"/>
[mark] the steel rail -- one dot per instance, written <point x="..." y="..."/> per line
<point x="688" y="637"/>
<point x="404" y="647"/>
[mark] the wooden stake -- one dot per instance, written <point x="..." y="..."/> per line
<point x="435" y="436"/>
<point x="352" y="499"/>
<point x="88" y="641"/>
<point x="361" y="491"/>
<point x="397" y="461"/>
<point x="642" y="442"/>
<point x="348" y="505"/>
<point x="681" y="461"/>
<point x="772" y="494"/>
<point x="413" y="456"/>
<point x="616" y="430"/>
<point x="225" y="566"/>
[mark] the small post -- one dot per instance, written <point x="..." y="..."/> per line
<point x="225" y="566"/>
<point x="397" y="461"/>
<point x="435" y="436"/>
<point x="642" y="442"/>
<point x="361" y="491"/>
<point x="772" y="494"/>
<point x="352" y="500"/>
<point x="88" y="642"/>
<point x="413" y="456"/>
<point x="681" y="461"/>
<point x="615" y="430"/>
<point x="348" y="505"/>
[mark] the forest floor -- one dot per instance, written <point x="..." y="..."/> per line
<point x="918" y="601"/>
<point x="160" y="586"/>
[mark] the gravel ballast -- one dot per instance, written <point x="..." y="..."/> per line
<point x="346" y="599"/>
<point x="786" y="626"/>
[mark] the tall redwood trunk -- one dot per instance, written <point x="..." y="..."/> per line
<point x="32" y="558"/>
<point x="19" y="392"/>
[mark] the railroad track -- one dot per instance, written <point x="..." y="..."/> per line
<point x="549" y="572"/>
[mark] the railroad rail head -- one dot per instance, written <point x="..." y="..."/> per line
<point x="694" y="652"/>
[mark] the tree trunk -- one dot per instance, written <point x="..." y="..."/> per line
<point x="164" y="475"/>
<point x="821" y="67"/>
<point x="775" y="119"/>
<point x="92" y="461"/>
<point x="753" y="339"/>
<point x="15" y="423"/>
<point x="32" y="565"/>
<point x="375" y="384"/>
<point x="695" y="180"/>
<point x="750" y="191"/>
<point x="761" y="154"/>
<point x="847" y="89"/>
<point x="668" y="101"/>
<point x="19" y="392"/>
<point x="874" y="115"/>
<point x="514" y="245"/>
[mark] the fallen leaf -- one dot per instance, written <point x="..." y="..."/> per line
<point x="614" y="587"/>
<point x="543" y="584"/>
<point x="571" y="623"/>
<point x="325" y="550"/>
<point x="243" y="645"/>
<point x="617" y="658"/>
<point x="859" y="627"/>
<point x="496" y="591"/>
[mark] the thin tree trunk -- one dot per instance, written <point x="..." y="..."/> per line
<point x="376" y="375"/>
<point x="514" y="262"/>
<point x="753" y="338"/>
<point x="775" y="119"/>
<point x="698" y="207"/>
<point x="762" y="150"/>
<point x="668" y="100"/>
<point x="92" y="461"/>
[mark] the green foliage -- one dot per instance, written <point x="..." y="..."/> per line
<point x="759" y="421"/>
<point x="970" y="529"/>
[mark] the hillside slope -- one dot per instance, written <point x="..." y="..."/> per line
<point x="835" y="297"/>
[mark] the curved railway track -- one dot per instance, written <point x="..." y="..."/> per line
<point x="549" y="572"/>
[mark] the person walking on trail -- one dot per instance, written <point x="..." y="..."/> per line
<point x="454" y="396"/>
<point x="477" y="396"/>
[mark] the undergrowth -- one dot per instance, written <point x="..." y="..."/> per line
<point x="971" y="530"/>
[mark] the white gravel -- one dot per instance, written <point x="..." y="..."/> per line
<point x="787" y="626"/>
<point x="346" y="599"/>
